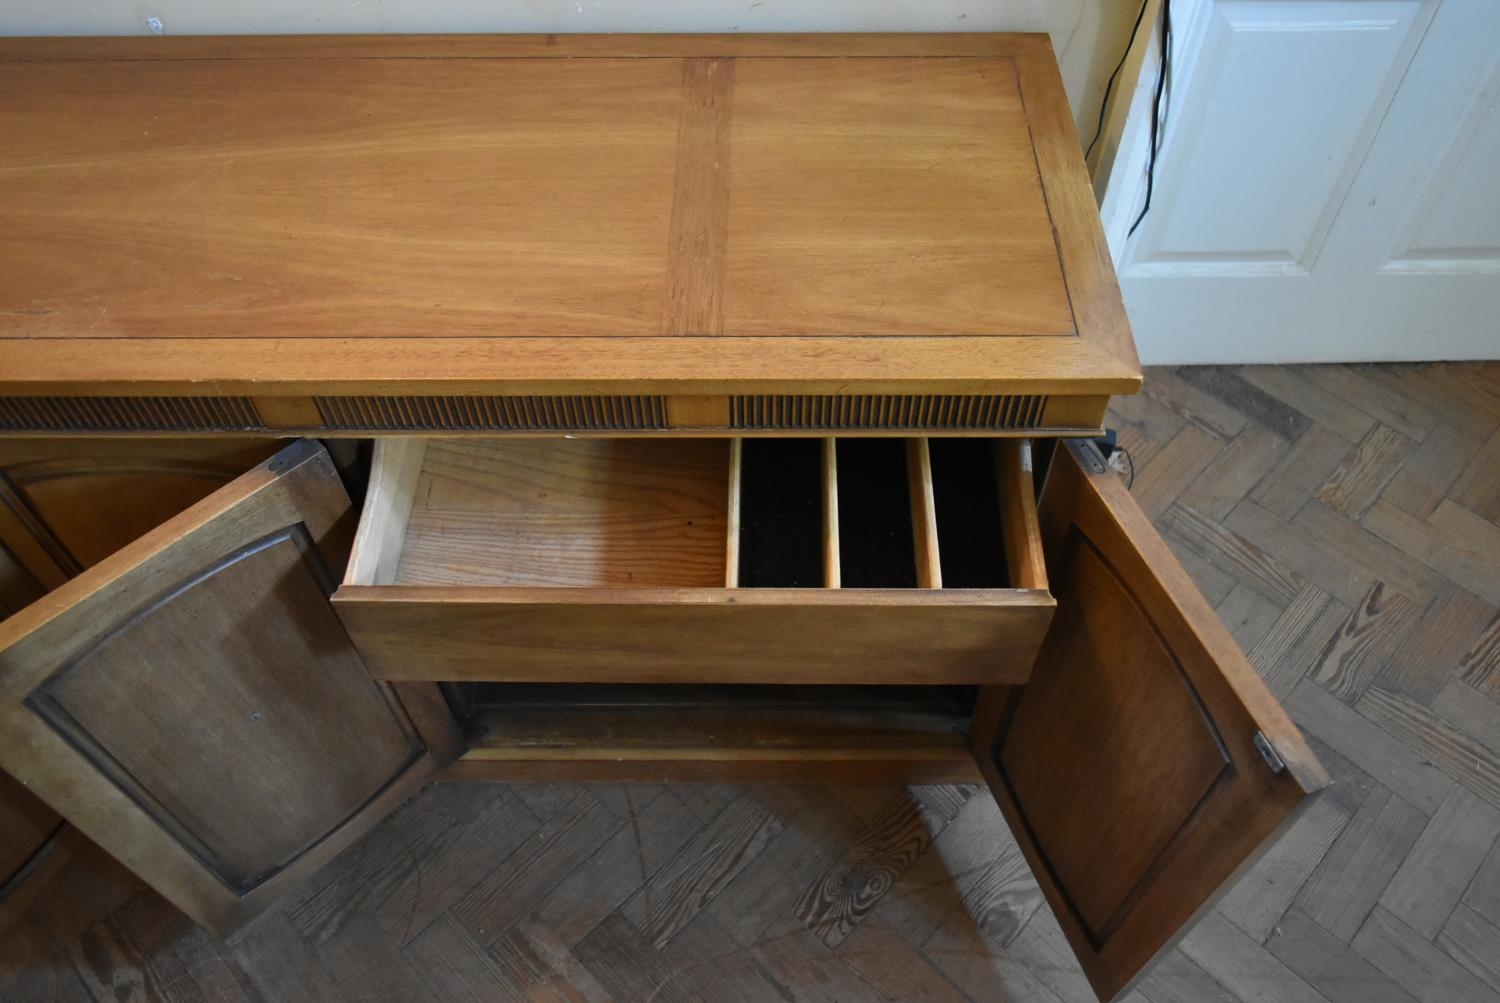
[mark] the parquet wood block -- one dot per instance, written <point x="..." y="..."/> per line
<point x="1303" y="470"/>
<point x="1212" y="414"/>
<point x="1235" y="554"/>
<point x="839" y="901"/>
<point x="714" y="963"/>
<point x="1432" y="650"/>
<point x="1177" y="979"/>
<point x="1288" y="385"/>
<point x="1277" y="415"/>
<point x="1234" y="472"/>
<point x="1178" y="464"/>
<point x="1257" y="904"/>
<point x="1358" y="481"/>
<point x="1382" y="755"/>
<point x="1423" y="969"/>
<point x="1398" y="411"/>
<point x="1329" y="965"/>
<point x="1428" y="473"/>
<point x="1463" y="757"/>
<point x="1473" y="942"/>
<point x="1365" y="644"/>
<point x="1478" y="488"/>
<point x="1448" y="557"/>
<point x="1248" y="615"/>
<point x="1346" y="885"/>
<point x="1483" y="893"/>
<point x="1442" y="862"/>
<point x="1246" y="968"/>
<point x="538" y="965"/>
<point x="673" y="896"/>
<point x="1480" y="665"/>
<point x="1342" y="539"/>
<point x="1297" y="640"/>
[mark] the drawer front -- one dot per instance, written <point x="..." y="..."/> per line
<point x="661" y="561"/>
<point x="699" y="635"/>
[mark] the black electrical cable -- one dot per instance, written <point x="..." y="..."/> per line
<point x="1157" y="108"/>
<point x="1109" y="87"/>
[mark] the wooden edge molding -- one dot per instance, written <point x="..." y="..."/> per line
<point x="449" y="366"/>
<point x="940" y="767"/>
<point x="520" y="46"/>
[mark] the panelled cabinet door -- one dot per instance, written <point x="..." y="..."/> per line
<point x="1145" y="763"/>
<point x="193" y="705"/>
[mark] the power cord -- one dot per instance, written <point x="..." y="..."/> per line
<point x="1159" y="108"/>
<point x="1116" y="456"/>
<point x="1109" y="88"/>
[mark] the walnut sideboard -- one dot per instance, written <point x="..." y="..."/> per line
<point x="714" y="407"/>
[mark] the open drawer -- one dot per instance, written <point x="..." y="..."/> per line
<point x="698" y="560"/>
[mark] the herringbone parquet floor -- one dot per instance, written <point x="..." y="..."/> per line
<point x="1346" y="523"/>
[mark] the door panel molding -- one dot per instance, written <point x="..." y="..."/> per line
<point x="1469" y="155"/>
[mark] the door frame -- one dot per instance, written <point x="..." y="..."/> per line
<point x="1119" y="171"/>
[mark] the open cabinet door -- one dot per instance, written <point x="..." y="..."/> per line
<point x="193" y="705"/>
<point x="1145" y="763"/>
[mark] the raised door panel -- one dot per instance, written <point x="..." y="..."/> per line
<point x="194" y="706"/>
<point x="52" y="492"/>
<point x="1144" y="764"/>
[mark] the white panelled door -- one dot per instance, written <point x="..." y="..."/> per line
<point x="1328" y="188"/>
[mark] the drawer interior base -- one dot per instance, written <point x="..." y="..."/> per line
<point x="585" y="512"/>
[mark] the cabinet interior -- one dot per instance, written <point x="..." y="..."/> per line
<point x="877" y="513"/>
<point x="969" y="521"/>
<point x="521" y="722"/>
<point x="856" y="513"/>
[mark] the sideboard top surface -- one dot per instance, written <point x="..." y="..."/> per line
<point x="549" y="214"/>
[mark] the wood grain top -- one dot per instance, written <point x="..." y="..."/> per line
<point x="510" y="214"/>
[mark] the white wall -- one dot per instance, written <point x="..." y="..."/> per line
<point x="1088" y="34"/>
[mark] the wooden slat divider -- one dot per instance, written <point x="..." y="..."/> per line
<point x="732" y="520"/>
<point x="1023" y="536"/>
<point x="831" y="573"/>
<point x="923" y="514"/>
